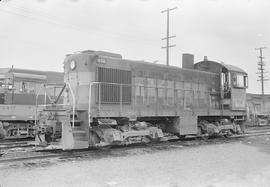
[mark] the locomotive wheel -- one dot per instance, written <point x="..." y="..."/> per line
<point x="146" y="140"/>
<point x="152" y="140"/>
<point x="205" y="137"/>
<point x="181" y="137"/>
<point x="228" y="134"/>
<point x="162" y="126"/>
<point x="2" y="134"/>
<point x="201" y="135"/>
<point x="8" y="134"/>
<point x="12" y="133"/>
<point x="199" y="132"/>
<point x="15" y="133"/>
<point x="202" y="126"/>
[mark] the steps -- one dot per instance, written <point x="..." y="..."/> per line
<point x="79" y="135"/>
<point x="73" y="137"/>
<point x="80" y="138"/>
<point x="81" y="145"/>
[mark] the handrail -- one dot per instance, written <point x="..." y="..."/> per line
<point x="59" y="95"/>
<point x="45" y="97"/>
<point x="73" y="103"/>
<point x="37" y="102"/>
<point x="54" y="105"/>
<point x="89" y="105"/>
<point x="121" y="98"/>
<point x="194" y="95"/>
<point x="89" y="100"/>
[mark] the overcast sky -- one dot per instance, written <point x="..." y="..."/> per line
<point x="37" y="34"/>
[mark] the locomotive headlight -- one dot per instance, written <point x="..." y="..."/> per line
<point x="72" y="65"/>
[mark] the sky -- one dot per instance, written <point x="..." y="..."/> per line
<point x="37" y="34"/>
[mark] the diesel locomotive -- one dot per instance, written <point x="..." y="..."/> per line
<point x="18" y="99"/>
<point x="109" y="100"/>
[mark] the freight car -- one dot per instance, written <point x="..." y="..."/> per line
<point x="18" y="99"/>
<point x="258" y="109"/>
<point x="109" y="100"/>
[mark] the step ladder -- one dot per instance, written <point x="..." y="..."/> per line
<point x="73" y="137"/>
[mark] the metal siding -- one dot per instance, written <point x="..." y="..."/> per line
<point x="188" y="125"/>
<point x="238" y="99"/>
<point x="208" y="82"/>
<point x="17" y="112"/>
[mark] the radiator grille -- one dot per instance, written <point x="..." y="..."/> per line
<point x="113" y="84"/>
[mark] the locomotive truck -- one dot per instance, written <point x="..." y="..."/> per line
<point x="109" y="100"/>
<point x="18" y="91"/>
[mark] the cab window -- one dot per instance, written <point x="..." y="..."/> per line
<point x="240" y="80"/>
<point x="2" y="83"/>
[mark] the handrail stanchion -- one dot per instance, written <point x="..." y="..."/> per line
<point x="37" y="103"/>
<point x="99" y="97"/>
<point x="73" y="103"/>
<point x="121" y="98"/>
<point x="45" y="98"/>
<point x="133" y="101"/>
<point x="89" y="105"/>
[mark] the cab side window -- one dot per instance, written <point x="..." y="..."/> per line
<point x="239" y="80"/>
<point x="27" y="87"/>
<point x="31" y="87"/>
<point x="2" y="83"/>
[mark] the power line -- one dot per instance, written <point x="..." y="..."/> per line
<point x="261" y="64"/>
<point x="45" y="17"/>
<point x="168" y="37"/>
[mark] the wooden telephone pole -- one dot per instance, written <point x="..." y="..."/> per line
<point x="167" y="38"/>
<point x="261" y="68"/>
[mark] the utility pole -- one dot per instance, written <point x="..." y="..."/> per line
<point x="167" y="38"/>
<point x="261" y="68"/>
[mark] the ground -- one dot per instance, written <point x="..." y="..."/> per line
<point x="243" y="162"/>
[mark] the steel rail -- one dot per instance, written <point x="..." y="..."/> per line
<point x="191" y="141"/>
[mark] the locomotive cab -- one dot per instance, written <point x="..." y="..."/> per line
<point x="233" y="84"/>
<point x="234" y="95"/>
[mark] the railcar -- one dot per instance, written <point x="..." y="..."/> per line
<point x="18" y="99"/>
<point x="109" y="100"/>
<point x="258" y="109"/>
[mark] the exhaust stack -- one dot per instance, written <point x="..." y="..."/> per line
<point x="188" y="61"/>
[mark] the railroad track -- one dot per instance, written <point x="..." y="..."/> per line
<point x="8" y="145"/>
<point x="46" y="154"/>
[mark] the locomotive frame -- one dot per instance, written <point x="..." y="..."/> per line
<point x="102" y="85"/>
